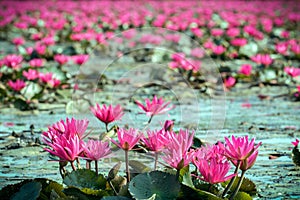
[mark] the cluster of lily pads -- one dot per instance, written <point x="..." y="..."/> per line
<point x="184" y="167"/>
<point x="48" y="42"/>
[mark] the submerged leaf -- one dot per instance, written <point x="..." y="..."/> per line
<point x="28" y="191"/>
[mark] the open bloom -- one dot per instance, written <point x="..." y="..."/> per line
<point x="209" y="152"/>
<point x="37" y="62"/>
<point x="246" y="69"/>
<point x="239" y="42"/>
<point x="95" y="150"/>
<point x="296" y="142"/>
<point x="292" y="71"/>
<point x="240" y="148"/>
<point x="263" y="59"/>
<point x="248" y="162"/>
<point x="127" y="138"/>
<point x="16" y="85"/>
<point x="18" y="41"/>
<point x="157" y="106"/>
<point x="107" y="114"/>
<point x="229" y="82"/>
<point x="213" y="171"/>
<point x="156" y="140"/>
<point x="80" y="59"/>
<point x="177" y="153"/>
<point x="13" y="61"/>
<point x="31" y="74"/>
<point x="61" y="59"/>
<point x="67" y="149"/>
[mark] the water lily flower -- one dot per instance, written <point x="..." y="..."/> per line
<point x="80" y="59"/>
<point x="61" y="59"/>
<point x="18" y="41"/>
<point x="296" y="142"/>
<point x="213" y="171"/>
<point x="168" y="126"/>
<point x="238" y="42"/>
<point x="37" y="62"/>
<point x="292" y="71"/>
<point x="208" y="152"/>
<point x="16" y="85"/>
<point x="107" y="114"/>
<point x="240" y="148"/>
<point x="67" y="149"/>
<point x="246" y="69"/>
<point x="157" y="106"/>
<point x="127" y="138"/>
<point x="229" y="82"/>
<point x="282" y="48"/>
<point x="31" y="74"/>
<point x="156" y="140"/>
<point x="218" y="50"/>
<point x="96" y="150"/>
<point x="263" y="59"/>
<point x="13" y="61"/>
<point x="177" y="153"/>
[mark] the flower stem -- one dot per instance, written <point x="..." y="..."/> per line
<point x="88" y="164"/>
<point x="232" y="180"/>
<point x="155" y="160"/>
<point x="127" y="166"/>
<point x="150" y="119"/>
<point x="106" y="127"/>
<point x="177" y="174"/>
<point x="73" y="166"/>
<point x="78" y="163"/>
<point x="96" y="166"/>
<point x="239" y="185"/>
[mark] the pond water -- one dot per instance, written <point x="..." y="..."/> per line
<point x="274" y="121"/>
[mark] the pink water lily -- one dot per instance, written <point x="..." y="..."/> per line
<point x="157" y="106"/>
<point x="37" y="62"/>
<point x="107" y="114"/>
<point x="17" y="85"/>
<point x="213" y="171"/>
<point x="31" y="74"/>
<point x="96" y="150"/>
<point x="246" y="69"/>
<point x="229" y="82"/>
<point x="292" y="71"/>
<point x="127" y="139"/>
<point x="240" y="148"/>
<point x="177" y="153"/>
<point x="156" y="140"/>
<point x="296" y="142"/>
<point x="61" y="59"/>
<point x="80" y="59"/>
<point x="13" y="61"/>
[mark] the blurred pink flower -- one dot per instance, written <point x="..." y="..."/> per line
<point x="240" y="148"/>
<point x="157" y="106"/>
<point x="295" y="48"/>
<point x="36" y="62"/>
<point x="292" y="71"/>
<point x="18" y="41"/>
<point x="197" y="52"/>
<point x="233" y="32"/>
<point x="285" y="34"/>
<point x="61" y="59"/>
<point x="217" y="32"/>
<point x="80" y="59"/>
<point x="229" y="82"/>
<point x="29" y="50"/>
<point x="45" y="78"/>
<point x="168" y="125"/>
<point x="13" y="61"/>
<point x="107" y="114"/>
<point x="246" y="105"/>
<point x="197" y="32"/>
<point x="48" y="40"/>
<point x="156" y="140"/>
<point x="177" y="153"/>
<point x="17" y="85"/>
<point x="213" y="171"/>
<point x="282" y="48"/>
<point x="127" y="139"/>
<point x="54" y="82"/>
<point x="246" y="69"/>
<point x="40" y="49"/>
<point x="36" y="36"/>
<point x="218" y="50"/>
<point x="95" y="150"/>
<point x="296" y="142"/>
<point x="239" y="42"/>
<point x="31" y="74"/>
<point x="263" y="59"/>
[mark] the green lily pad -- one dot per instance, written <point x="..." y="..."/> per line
<point x="84" y="178"/>
<point x="155" y="185"/>
<point x="28" y="191"/>
<point x="247" y="186"/>
<point x="85" y="194"/>
<point x="193" y="193"/>
<point x="242" y="196"/>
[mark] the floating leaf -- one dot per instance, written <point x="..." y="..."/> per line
<point x="28" y="191"/>
<point x="162" y="185"/>
<point x="247" y="186"/>
<point x="84" y="178"/>
<point x="115" y="198"/>
<point x="193" y="193"/>
<point x="242" y="196"/>
<point x="86" y="194"/>
<point x="49" y="187"/>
